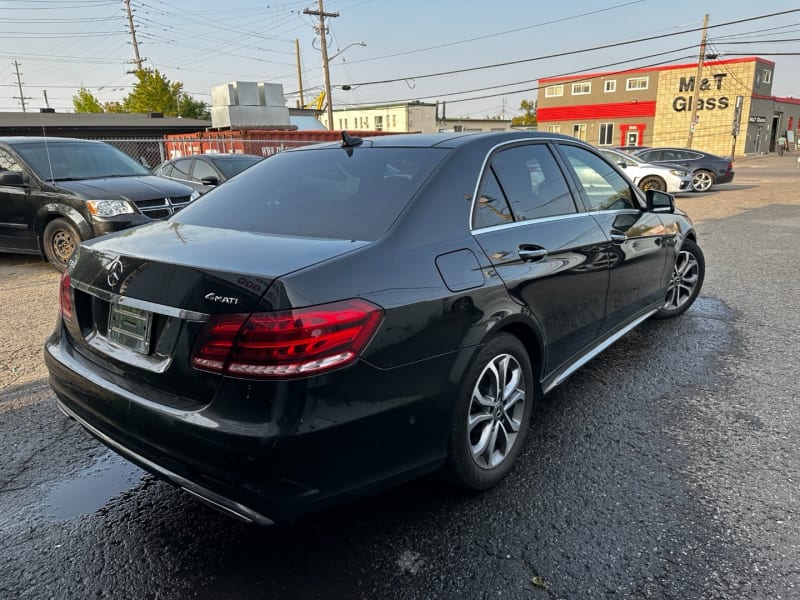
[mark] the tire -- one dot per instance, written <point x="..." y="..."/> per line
<point x="685" y="282"/>
<point x="489" y="424"/>
<point x="59" y="240"/>
<point x="702" y="180"/>
<point x="653" y="182"/>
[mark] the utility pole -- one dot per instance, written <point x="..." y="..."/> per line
<point x="22" y="97"/>
<point x="138" y="60"/>
<point x="299" y="71"/>
<point x="326" y="74"/>
<point x="697" y="82"/>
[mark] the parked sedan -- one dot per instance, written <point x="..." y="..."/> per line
<point x="203" y="172"/>
<point x="650" y="177"/>
<point x="344" y="317"/>
<point x="707" y="169"/>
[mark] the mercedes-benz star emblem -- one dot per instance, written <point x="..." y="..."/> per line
<point x="114" y="272"/>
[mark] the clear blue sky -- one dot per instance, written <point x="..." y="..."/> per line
<point x="63" y="44"/>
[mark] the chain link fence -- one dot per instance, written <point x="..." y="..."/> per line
<point x="151" y="152"/>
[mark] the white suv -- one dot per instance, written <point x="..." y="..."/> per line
<point x="648" y="176"/>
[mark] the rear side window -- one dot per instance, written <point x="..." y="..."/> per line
<point x="533" y="182"/>
<point x="322" y="192"/>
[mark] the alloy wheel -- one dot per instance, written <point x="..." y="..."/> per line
<point x="702" y="181"/>
<point x="684" y="279"/>
<point x="496" y="411"/>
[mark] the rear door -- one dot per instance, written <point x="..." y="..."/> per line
<point x="550" y="255"/>
<point x="639" y="240"/>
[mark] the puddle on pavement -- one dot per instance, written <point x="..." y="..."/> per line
<point x="91" y="488"/>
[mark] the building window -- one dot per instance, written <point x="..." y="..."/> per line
<point x="394" y="121"/>
<point x="345" y="123"/>
<point x="378" y="123"/>
<point x="579" y="131"/>
<point x="637" y="83"/>
<point x="767" y="76"/>
<point x="551" y="91"/>
<point x="606" y="137"/>
<point x="580" y="89"/>
<point x="610" y="86"/>
<point x="554" y="128"/>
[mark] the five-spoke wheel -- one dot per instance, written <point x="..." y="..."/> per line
<point x="492" y="415"/>
<point x="702" y="181"/>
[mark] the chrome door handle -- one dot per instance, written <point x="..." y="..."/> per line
<point x="618" y="238"/>
<point x="532" y="254"/>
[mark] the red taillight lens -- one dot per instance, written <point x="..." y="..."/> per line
<point x="288" y="343"/>
<point x="65" y="295"/>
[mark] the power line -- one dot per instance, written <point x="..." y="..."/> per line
<point x="572" y="52"/>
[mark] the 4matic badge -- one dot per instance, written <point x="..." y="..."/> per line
<point x="212" y="297"/>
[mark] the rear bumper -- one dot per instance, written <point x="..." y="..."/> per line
<point x="724" y="178"/>
<point x="305" y="457"/>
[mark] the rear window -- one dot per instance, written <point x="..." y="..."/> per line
<point x="324" y="192"/>
<point x="232" y="166"/>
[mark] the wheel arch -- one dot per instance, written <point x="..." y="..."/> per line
<point x="531" y="339"/>
<point x="50" y="212"/>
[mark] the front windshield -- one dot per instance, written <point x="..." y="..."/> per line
<point x="75" y="159"/>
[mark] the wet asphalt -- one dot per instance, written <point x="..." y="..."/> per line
<point x="666" y="468"/>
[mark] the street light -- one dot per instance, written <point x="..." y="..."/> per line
<point x="326" y="72"/>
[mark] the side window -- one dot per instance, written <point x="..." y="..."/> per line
<point x="180" y="168"/>
<point x="8" y="162"/>
<point x="166" y="170"/>
<point x="491" y="207"/>
<point x="604" y="187"/>
<point x="203" y="169"/>
<point x="533" y="183"/>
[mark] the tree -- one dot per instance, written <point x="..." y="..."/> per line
<point x="528" y="117"/>
<point x="190" y="108"/>
<point x="85" y="102"/>
<point x="153" y="92"/>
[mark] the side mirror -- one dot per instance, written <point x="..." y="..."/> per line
<point x="210" y="180"/>
<point x="622" y="164"/>
<point x="14" y="178"/>
<point x="659" y="201"/>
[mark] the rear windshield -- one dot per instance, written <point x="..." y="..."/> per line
<point x="323" y="192"/>
<point x="64" y="161"/>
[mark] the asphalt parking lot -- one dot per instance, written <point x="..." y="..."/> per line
<point x="666" y="468"/>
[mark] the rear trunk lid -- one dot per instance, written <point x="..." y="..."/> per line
<point x="142" y="295"/>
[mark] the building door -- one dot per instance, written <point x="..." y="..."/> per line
<point x="632" y="137"/>
<point x="774" y="134"/>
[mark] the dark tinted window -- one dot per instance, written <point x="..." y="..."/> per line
<point x="532" y="181"/>
<point x="232" y="166"/>
<point x="78" y="160"/>
<point x="321" y="192"/>
<point x="180" y="168"/>
<point x="203" y="169"/>
<point x="491" y="207"/>
<point x="604" y="187"/>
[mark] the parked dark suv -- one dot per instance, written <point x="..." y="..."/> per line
<point x="56" y="192"/>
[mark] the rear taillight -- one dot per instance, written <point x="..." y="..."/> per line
<point x="290" y="343"/>
<point x="65" y="294"/>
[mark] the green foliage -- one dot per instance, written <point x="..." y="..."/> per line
<point x="153" y="92"/>
<point x="190" y="108"/>
<point x="528" y="117"/>
<point x="85" y="102"/>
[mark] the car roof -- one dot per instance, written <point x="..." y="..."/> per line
<point x="449" y="139"/>
<point x="15" y="140"/>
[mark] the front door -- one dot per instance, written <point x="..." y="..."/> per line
<point x="640" y="244"/>
<point x="632" y="137"/>
<point x="16" y="210"/>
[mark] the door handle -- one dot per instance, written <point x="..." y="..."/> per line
<point x="532" y="253"/>
<point x="618" y="238"/>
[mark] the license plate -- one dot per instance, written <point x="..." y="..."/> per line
<point x="130" y="327"/>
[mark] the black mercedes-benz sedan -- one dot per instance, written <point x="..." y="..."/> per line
<point x="343" y="317"/>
